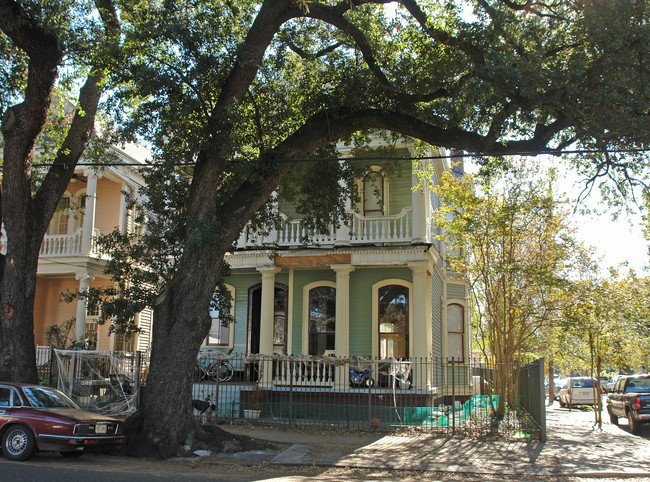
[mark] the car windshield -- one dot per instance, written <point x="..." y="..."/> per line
<point x="639" y="385"/>
<point x="582" y="383"/>
<point x="45" y="397"/>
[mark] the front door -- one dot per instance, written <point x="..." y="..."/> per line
<point x="279" y="318"/>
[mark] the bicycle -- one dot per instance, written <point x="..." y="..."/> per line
<point x="220" y="370"/>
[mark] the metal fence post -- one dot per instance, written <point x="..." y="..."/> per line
<point x="51" y="365"/>
<point x="453" y="397"/>
<point x="291" y="392"/>
<point x="369" y="403"/>
<point x="216" y="386"/>
<point x="136" y="380"/>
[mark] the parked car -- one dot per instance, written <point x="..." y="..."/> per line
<point x="612" y="382"/>
<point x="34" y="418"/>
<point x="558" y="382"/>
<point x="578" y="391"/>
<point x="630" y="398"/>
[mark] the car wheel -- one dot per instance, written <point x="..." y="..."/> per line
<point x="562" y="404"/>
<point x="634" y="425"/>
<point x="18" y="443"/>
<point x="72" y="455"/>
<point x="612" y="418"/>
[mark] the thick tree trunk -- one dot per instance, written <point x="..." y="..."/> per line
<point x="165" y="426"/>
<point x="17" y="289"/>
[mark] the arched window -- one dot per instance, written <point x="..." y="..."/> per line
<point x="456" y="331"/>
<point x="373" y="194"/>
<point x="393" y="321"/>
<point x="322" y="319"/>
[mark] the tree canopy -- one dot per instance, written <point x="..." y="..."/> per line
<point x="239" y="91"/>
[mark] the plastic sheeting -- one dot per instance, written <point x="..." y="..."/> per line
<point x="106" y="382"/>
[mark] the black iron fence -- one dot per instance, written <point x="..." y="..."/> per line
<point x="429" y="394"/>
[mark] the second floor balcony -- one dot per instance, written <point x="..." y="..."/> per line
<point x="69" y="245"/>
<point x="401" y="228"/>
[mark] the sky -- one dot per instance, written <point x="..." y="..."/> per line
<point x="615" y="241"/>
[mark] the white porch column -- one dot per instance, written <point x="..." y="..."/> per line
<point x="420" y="318"/>
<point x="342" y="336"/>
<point x="419" y="212"/>
<point x="266" y="315"/>
<point x="266" y="321"/>
<point x="80" y="321"/>
<point x="89" y="212"/>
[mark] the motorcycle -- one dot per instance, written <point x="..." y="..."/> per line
<point x="361" y="378"/>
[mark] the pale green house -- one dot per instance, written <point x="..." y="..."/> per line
<point x="376" y="288"/>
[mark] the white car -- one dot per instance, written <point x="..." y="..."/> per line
<point x="578" y="391"/>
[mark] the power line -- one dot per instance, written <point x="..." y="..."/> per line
<point x="551" y="152"/>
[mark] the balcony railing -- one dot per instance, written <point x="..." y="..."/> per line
<point x="66" y="244"/>
<point x="382" y="229"/>
<point x="361" y="230"/>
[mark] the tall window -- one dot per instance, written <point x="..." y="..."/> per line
<point x="322" y="319"/>
<point x="63" y="216"/>
<point x="456" y="331"/>
<point x="393" y="321"/>
<point x="373" y="194"/>
<point x="139" y="220"/>
<point x="218" y="335"/>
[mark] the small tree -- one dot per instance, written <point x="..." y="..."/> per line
<point x="508" y="237"/>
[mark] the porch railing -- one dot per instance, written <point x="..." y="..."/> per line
<point x="397" y="228"/>
<point x="65" y="244"/>
<point x="361" y="230"/>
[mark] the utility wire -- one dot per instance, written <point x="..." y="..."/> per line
<point x="551" y="152"/>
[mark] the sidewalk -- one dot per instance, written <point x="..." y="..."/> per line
<point x="573" y="449"/>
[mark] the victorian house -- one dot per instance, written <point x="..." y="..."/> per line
<point x="375" y="287"/>
<point x="94" y="203"/>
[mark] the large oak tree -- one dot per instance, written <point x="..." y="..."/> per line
<point x="37" y="41"/>
<point x="242" y="90"/>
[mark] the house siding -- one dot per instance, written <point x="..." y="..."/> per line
<point x="242" y="283"/>
<point x="48" y="311"/>
<point x="109" y="204"/>
<point x="361" y="281"/>
<point x="399" y="195"/>
<point x="437" y="285"/>
<point x="455" y="291"/>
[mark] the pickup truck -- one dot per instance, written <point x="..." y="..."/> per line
<point x="630" y="398"/>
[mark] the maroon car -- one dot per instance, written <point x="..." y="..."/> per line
<point x="33" y="418"/>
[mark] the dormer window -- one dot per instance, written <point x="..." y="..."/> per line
<point x="373" y="194"/>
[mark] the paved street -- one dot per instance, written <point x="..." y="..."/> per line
<point x="575" y="450"/>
